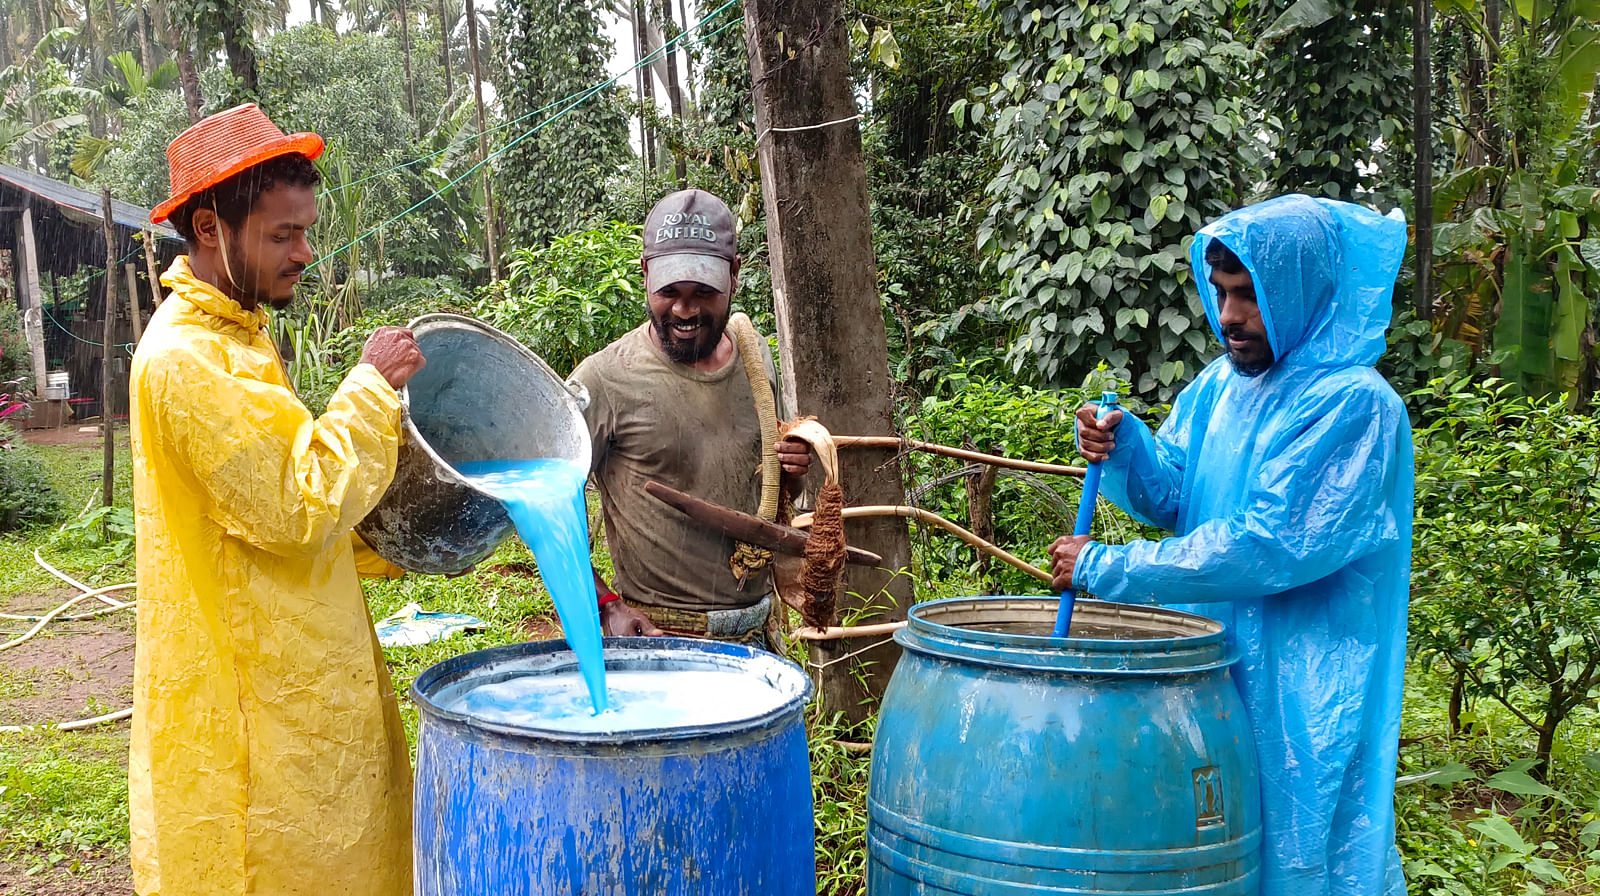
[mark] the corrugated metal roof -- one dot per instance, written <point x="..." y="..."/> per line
<point x="80" y="204"/>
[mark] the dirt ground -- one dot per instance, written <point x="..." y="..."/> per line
<point x="69" y="671"/>
<point x="71" y="433"/>
<point x="101" y="874"/>
<point x="69" y="666"/>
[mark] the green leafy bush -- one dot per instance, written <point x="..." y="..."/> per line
<point x="26" y="498"/>
<point x="1507" y="583"/>
<point x="1029" y="509"/>
<point x="571" y="298"/>
<point x="15" y="364"/>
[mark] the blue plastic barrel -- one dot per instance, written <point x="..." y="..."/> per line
<point x="717" y="809"/>
<point x="1118" y="760"/>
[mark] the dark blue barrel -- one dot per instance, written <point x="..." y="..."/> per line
<point x="715" y="809"/>
<point x="1118" y="760"/>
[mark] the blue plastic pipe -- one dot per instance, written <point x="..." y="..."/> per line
<point x="1086" y="502"/>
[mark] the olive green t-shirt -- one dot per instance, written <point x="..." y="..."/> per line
<point x="653" y="419"/>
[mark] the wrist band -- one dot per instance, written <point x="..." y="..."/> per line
<point x="608" y="597"/>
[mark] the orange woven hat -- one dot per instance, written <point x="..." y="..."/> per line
<point x="223" y="145"/>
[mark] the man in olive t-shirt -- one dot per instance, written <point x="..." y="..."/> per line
<point x="670" y="401"/>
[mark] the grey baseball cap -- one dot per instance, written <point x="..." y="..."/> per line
<point x="689" y="235"/>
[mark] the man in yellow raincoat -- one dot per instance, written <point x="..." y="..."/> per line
<point x="267" y="755"/>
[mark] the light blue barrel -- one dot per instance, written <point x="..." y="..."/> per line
<point x="514" y="810"/>
<point x="1007" y="762"/>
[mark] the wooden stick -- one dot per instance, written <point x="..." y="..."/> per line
<point x="746" y="527"/>
<point x="961" y="453"/>
<point x="837" y="632"/>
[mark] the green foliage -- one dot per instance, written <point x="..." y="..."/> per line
<point x="62" y="793"/>
<point x="1516" y="221"/>
<point x="1508" y="488"/>
<point x="573" y="297"/>
<point x="1120" y="132"/>
<point x="553" y="176"/>
<point x="1029" y="510"/>
<point x="1338" y="93"/>
<point x="389" y="303"/>
<point x="1509" y="846"/>
<point x="108" y="529"/>
<point x="16" y="364"/>
<point x="927" y="172"/>
<point x="839" y="801"/>
<point x="351" y="89"/>
<point x="26" y="497"/>
<point x="134" y="166"/>
<point x="1419" y="352"/>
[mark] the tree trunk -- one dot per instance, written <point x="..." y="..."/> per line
<point x="1422" y="135"/>
<point x="680" y="167"/>
<point x="1453" y="712"/>
<point x="647" y="90"/>
<point x="188" y="77"/>
<point x="405" y="52"/>
<point x="980" y="511"/>
<point x="688" y="59"/>
<point x="444" y="52"/>
<point x="830" y="323"/>
<point x="239" y="46"/>
<point x="492" y="256"/>
<point x="147" y="56"/>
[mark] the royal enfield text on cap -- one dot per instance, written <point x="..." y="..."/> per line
<point x="690" y="236"/>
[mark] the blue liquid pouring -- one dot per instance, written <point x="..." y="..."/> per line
<point x="545" y="500"/>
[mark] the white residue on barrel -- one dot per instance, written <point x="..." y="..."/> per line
<point x="640" y="700"/>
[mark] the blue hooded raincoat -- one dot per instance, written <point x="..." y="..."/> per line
<point x="1290" y="494"/>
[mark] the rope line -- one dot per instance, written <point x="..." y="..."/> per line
<point x="807" y="127"/>
<point x="573" y="101"/>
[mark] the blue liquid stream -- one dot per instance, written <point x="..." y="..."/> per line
<point x="544" y="498"/>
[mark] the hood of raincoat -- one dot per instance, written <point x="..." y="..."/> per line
<point x="1323" y="272"/>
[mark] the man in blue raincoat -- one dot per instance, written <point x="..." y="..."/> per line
<point x="1285" y="472"/>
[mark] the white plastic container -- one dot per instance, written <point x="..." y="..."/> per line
<point x="57" y="386"/>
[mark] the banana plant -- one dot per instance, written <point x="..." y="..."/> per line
<point x="1517" y="241"/>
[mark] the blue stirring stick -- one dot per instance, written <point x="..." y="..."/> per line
<point x="1086" y="502"/>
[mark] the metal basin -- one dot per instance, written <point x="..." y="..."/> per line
<point x="483" y="396"/>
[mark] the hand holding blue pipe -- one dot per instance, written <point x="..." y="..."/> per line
<point x="1086" y="502"/>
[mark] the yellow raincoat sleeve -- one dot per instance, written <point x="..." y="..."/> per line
<point x="277" y="478"/>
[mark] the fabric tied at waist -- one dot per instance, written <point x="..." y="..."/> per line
<point x="724" y="625"/>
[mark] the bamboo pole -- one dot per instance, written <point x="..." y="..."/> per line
<point x="109" y="318"/>
<point x="150" y="263"/>
<point x="131" y="271"/>
<point x="32" y="298"/>
<point x="960" y="453"/>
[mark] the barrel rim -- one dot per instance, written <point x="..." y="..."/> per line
<point x="444" y="320"/>
<point x="449" y="671"/>
<point x="1180" y="654"/>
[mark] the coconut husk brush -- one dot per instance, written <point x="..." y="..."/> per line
<point x="822" y="574"/>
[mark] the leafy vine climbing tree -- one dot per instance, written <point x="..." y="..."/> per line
<point x="1118" y="129"/>
<point x="1338" y="82"/>
<point x="554" y="180"/>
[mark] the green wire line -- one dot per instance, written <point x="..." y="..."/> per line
<point x="52" y="317"/>
<point x="651" y="57"/>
